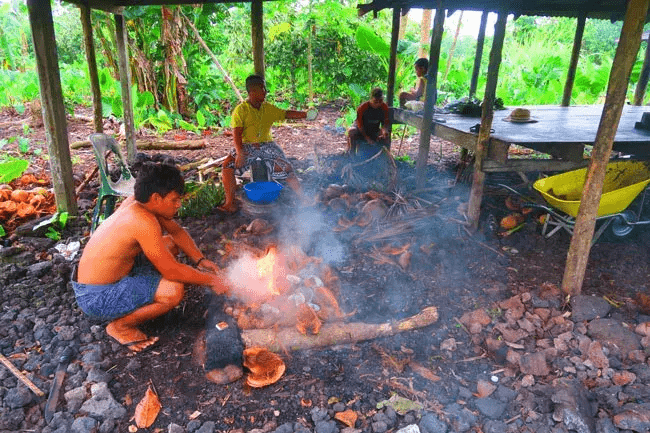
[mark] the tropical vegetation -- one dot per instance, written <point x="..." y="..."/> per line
<point x="316" y="52"/>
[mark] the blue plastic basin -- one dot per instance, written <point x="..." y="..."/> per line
<point x="262" y="192"/>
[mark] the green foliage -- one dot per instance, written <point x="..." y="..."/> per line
<point x="11" y="168"/>
<point x="2" y="231"/>
<point x="56" y="223"/>
<point x="200" y="199"/>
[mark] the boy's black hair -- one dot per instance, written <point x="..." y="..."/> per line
<point x="254" y="80"/>
<point x="158" y="178"/>
<point x="423" y="63"/>
<point x="377" y="93"/>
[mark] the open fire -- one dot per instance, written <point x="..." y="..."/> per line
<point x="283" y="288"/>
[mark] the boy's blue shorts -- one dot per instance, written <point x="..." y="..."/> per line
<point x="111" y="301"/>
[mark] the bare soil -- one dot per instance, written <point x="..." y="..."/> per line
<point x="450" y="268"/>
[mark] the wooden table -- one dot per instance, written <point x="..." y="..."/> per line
<point x="561" y="132"/>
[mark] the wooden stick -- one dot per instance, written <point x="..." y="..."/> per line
<point x="21" y="376"/>
<point x="154" y="144"/>
<point x="83" y="184"/>
<point x="335" y="333"/>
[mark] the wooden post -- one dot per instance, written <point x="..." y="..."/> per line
<point x="626" y="52"/>
<point x="483" y="141"/>
<point x="392" y="65"/>
<point x="642" y="84"/>
<point x="257" y="33"/>
<point x="56" y="127"/>
<point x="125" y="81"/>
<point x="98" y="119"/>
<point x="573" y="64"/>
<point x="431" y="93"/>
<point x="480" y="41"/>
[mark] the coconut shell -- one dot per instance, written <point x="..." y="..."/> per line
<point x="511" y="221"/>
<point x="20" y="196"/>
<point x="265" y="367"/>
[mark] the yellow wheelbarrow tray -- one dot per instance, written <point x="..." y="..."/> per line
<point x="624" y="181"/>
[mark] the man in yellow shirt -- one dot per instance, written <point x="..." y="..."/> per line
<point x="417" y="94"/>
<point x="251" y="123"/>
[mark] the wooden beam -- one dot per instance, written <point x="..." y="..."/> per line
<point x="642" y="84"/>
<point x="89" y="44"/>
<point x="125" y="81"/>
<point x="431" y="93"/>
<point x="527" y="165"/>
<point x="257" y="34"/>
<point x="392" y="64"/>
<point x="56" y="128"/>
<point x="573" y="63"/>
<point x="478" y="57"/>
<point x="483" y="141"/>
<point x="626" y="52"/>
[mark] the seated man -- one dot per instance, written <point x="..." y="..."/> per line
<point x="417" y="93"/>
<point x="372" y="123"/>
<point x="128" y="272"/>
<point x="251" y="123"/>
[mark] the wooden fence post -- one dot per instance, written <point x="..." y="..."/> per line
<point x="480" y="42"/>
<point x="257" y="34"/>
<point x="56" y="127"/>
<point x="431" y="96"/>
<point x="573" y="64"/>
<point x="626" y="52"/>
<point x="483" y="140"/>
<point x="125" y="81"/>
<point x="89" y="44"/>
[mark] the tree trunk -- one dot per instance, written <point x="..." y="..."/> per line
<point x="403" y="23"/>
<point x="425" y="26"/>
<point x="453" y="46"/>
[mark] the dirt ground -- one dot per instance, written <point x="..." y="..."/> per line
<point x="449" y="268"/>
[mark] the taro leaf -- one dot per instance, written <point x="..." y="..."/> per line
<point x="369" y="41"/>
<point x="11" y="170"/>
<point x="187" y="126"/>
<point x="147" y="410"/>
<point x="200" y="119"/>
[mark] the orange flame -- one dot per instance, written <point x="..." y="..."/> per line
<point x="266" y="269"/>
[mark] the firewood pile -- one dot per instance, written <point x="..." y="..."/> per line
<point x="24" y="200"/>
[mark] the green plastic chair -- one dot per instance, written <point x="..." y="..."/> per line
<point x="104" y="146"/>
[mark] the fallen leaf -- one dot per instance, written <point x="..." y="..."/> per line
<point x="424" y="372"/>
<point x="147" y="410"/>
<point x="347" y="417"/>
<point x="484" y="388"/>
<point x="305" y="402"/>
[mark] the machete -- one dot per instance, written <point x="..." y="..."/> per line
<point x="53" y="398"/>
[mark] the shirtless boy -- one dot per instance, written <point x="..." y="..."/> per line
<point x="128" y="273"/>
<point x="251" y="124"/>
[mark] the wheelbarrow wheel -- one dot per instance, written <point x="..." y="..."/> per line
<point x="620" y="228"/>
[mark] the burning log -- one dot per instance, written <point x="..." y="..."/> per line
<point x="334" y="333"/>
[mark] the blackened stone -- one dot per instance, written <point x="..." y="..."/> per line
<point x="430" y="423"/>
<point x="225" y="347"/>
<point x="586" y="308"/>
<point x="287" y="427"/>
<point x="326" y="427"/>
<point x="490" y="407"/>
<point x="18" y="397"/>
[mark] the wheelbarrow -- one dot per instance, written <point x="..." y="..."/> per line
<point x="624" y="182"/>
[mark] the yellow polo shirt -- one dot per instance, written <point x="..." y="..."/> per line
<point x="256" y="122"/>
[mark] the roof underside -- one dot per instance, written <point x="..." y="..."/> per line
<point x="613" y="10"/>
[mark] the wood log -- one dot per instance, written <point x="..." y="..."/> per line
<point x="154" y="144"/>
<point x="280" y="339"/>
